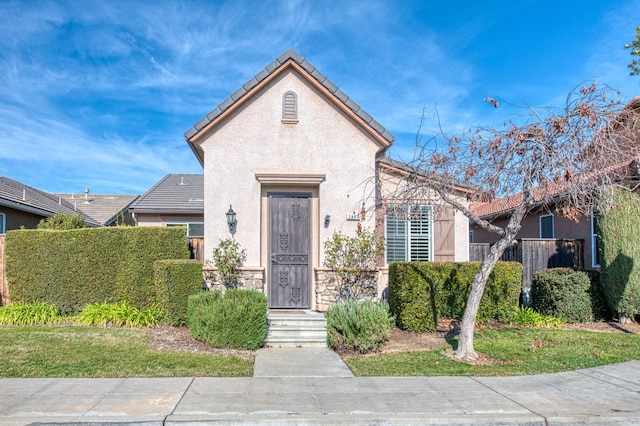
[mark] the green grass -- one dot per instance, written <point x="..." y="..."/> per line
<point x="517" y="351"/>
<point x="73" y="351"/>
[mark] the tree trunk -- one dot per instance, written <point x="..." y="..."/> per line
<point x="465" y="351"/>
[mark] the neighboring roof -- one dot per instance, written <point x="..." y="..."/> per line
<point x="103" y="208"/>
<point x="22" y="197"/>
<point x="290" y="58"/>
<point x="407" y="170"/>
<point x="175" y="194"/>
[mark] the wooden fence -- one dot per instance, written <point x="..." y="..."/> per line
<point x="536" y="254"/>
<point x="4" y="287"/>
<point x="196" y="246"/>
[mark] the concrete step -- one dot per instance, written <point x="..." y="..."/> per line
<point x="296" y="329"/>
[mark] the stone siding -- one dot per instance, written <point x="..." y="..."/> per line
<point x="250" y="279"/>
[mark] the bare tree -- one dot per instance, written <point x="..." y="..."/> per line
<point x="569" y="157"/>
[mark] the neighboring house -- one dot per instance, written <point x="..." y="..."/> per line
<point x="295" y="159"/>
<point x="177" y="199"/>
<point x="106" y="209"/>
<point x="22" y="206"/>
<point x="539" y="223"/>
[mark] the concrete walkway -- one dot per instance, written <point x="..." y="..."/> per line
<point x="285" y="391"/>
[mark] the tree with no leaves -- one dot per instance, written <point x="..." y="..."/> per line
<point x="569" y="157"/>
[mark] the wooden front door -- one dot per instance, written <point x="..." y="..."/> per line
<point x="289" y="251"/>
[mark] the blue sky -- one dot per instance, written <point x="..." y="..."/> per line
<point x="98" y="94"/>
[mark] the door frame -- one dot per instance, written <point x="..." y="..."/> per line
<point x="289" y="187"/>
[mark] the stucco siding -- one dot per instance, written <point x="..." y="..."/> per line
<point x="255" y="140"/>
<point x="564" y="228"/>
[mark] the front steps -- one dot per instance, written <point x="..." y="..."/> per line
<point x="296" y="329"/>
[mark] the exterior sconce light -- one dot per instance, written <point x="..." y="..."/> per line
<point x="327" y="219"/>
<point x="231" y="219"/>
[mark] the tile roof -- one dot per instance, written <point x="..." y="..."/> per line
<point x="409" y="169"/>
<point x="174" y="193"/>
<point x="103" y="208"/>
<point x="272" y="68"/>
<point x="26" y="198"/>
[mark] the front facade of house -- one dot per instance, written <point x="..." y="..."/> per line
<point x="544" y="224"/>
<point x="297" y="161"/>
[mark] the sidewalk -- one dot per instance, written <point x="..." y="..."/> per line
<point x="607" y="395"/>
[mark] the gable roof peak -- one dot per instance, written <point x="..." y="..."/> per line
<point x="267" y="73"/>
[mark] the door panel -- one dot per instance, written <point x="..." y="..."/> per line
<point x="289" y="251"/>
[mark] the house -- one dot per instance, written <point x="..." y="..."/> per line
<point x="105" y="209"/>
<point x="176" y="199"/>
<point x="22" y="206"/>
<point x="289" y="159"/>
<point x="543" y="222"/>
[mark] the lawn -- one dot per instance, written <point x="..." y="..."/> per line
<point x="75" y="351"/>
<point x="508" y="351"/>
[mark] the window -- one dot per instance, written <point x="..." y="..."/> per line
<point x="194" y="229"/>
<point x="409" y="233"/>
<point x="546" y="226"/>
<point x="3" y="223"/>
<point x="595" y="254"/>
<point x="471" y="237"/>
<point x="290" y="107"/>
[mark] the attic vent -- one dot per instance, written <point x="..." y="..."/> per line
<point x="290" y="107"/>
<point x="182" y="182"/>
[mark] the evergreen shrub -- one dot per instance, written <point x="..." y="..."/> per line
<point x="358" y="325"/>
<point x="421" y="292"/>
<point x="618" y="231"/>
<point x="175" y="281"/>
<point x="237" y="320"/>
<point x="563" y="293"/>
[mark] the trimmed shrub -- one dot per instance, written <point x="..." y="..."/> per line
<point x="358" y="325"/>
<point x="237" y="320"/>
<point x="599" y="306"/>
<point x="73" y="268"/>
<point x="421" y="292"/>
<point x="175" y="281"/>
<point x="562" y="293"/>
<point x="618" y="232"/>
<point x="38" y="313"/>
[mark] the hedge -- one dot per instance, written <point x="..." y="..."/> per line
<point x="175" y="281"/>
<point x="618" y="232"/>
<point x="73" y="268"/>
<point x="421" y="292"/>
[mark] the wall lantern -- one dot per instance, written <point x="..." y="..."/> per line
<point x="231" y="219"/>
<point x="327" y="220"/>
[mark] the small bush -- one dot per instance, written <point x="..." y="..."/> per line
<point x="38" y="313"/>
<point x="237" y="320"/>
<point x="562" y="293"/>
<point x="119" y="314"/>
<point x="175" y="281"/>
<point x="358" y="325"/>
<point x="528" y="317"/>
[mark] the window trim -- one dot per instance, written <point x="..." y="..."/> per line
<point x="594" y="243"/>
<point x="187" y="224"/>
<point x="553" y="226"/>
<point x="407" y="239"/>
